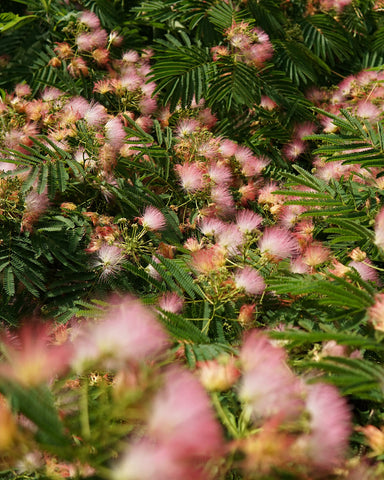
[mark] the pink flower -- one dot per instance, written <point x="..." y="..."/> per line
<point x="128" y="333"/>
<point x="96" y="115"/>
<point x="146" y="460"/>
<point x="187" y="127"/>
<point x="376" y="312"/>
<point x="268" y="387"/>
<point x="182" y="418"/>
<point x="223" y="199"/>
<point x="152" y="219"/>
<point x="298" y="266"/>
<point x="130" y="57"/>
<point x="89" y="19"/>
<point x="379" y="229"/>
<point x="294" y="149"/>
<point x="22" y="90"/>
<point x="249" y="280"/>
<point x="110" y="259"/>
<point x="267" y="103"/>
<point x="208" y="260"/>
<point x="330" y="427"/>
<point x="248" y="221"/>
<point x="230" y="238"/>
<point x="90" y="41"/>
<point x="228" y="148"/>
<point x="191" y="177"/>
<point x="368" y="110"/>
<point x="218" y="374"/>
<point x="254" y="166"/>
<point x="315" y="254"/>
<point x="147" y="105"/>
<point x="35" y="206"/>
<point x="211" y="226"/>
<point x="115" y="133"/>
<point x="277" y="243"/>
<point x="32" y="358"/>
<point x="219" y="174"/>
<point x="171" y="302"/>
<point x="366" y="272"/>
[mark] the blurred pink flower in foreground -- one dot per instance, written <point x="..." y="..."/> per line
<point x="182" y="418"/>
<point x="268" y="387"/>
<point x="128" y="333"/>
<point x="182" y="436"/>
<point x="31" y="357"/>
<point x="330" y="427"/>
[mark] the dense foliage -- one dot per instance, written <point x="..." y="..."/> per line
<point x="192" y="239"/>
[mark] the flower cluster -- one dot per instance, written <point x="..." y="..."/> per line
<point x="247" y="44"/>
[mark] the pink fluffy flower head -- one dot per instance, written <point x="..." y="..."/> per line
<point x="152" y="219"/>
<point x="248" y="221"/>
<point x="379" y="229"/>
<point x="315" y="254"/>
<point x="96" y="115"/>
<point x="277" y="243"/>
<point x="330" y="427"/>
<point x="191" y="177"/>
<point x="115" y="133"/>
<point x="32" y="359"/>
<point x="35" y="206"/>
<point x="90" y="19"/>
<point x="376" y="312"/>
<point x="171" y="302"/>
<point x="182" y="417"/>
<point x="249" y="280"/>
<point x="268" y="387"/>
<point x="110" y="259"/>
<point x="129" y="332"/>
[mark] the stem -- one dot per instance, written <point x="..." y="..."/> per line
<point x="84" y="414"/>
<point x="223" y="416"/>
<point x="373" y="266"/>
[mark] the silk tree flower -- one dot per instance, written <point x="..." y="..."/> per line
<point x="31" y="357"/>
<point x="278" y="243"/>
<point x="90" y="19"/>
<point x="171" y="302"/>
<point x="152" y="219"/>
<point x="366" y="272"/>
<point x="208" y="260"/>
<point x="129" y="333"/>
<point x="182" y="418"/>
<point x="146" y="460"/>
<point x="96" y="115"/>
<point x="379" y="229"/>
<point x="219" y="374"/>
<point x="219" y="173"/>
<point x="376" y="313"/>
<point x="222" y="197"/>
<point x="315" y="254"/>
<point x="268" y="388"/>
<point x="191" y="177"/>
<point x="110" y="258"/>
<point x="35" y="205"/>
<point x="211" y="226"/>
<point x="248" y="221"/>
<point x="230" y="238"/>
<point x="249" y="280"/>
<point x="330" y="427"/>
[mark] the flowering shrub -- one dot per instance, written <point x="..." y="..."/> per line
<point x="222" y="161"/>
